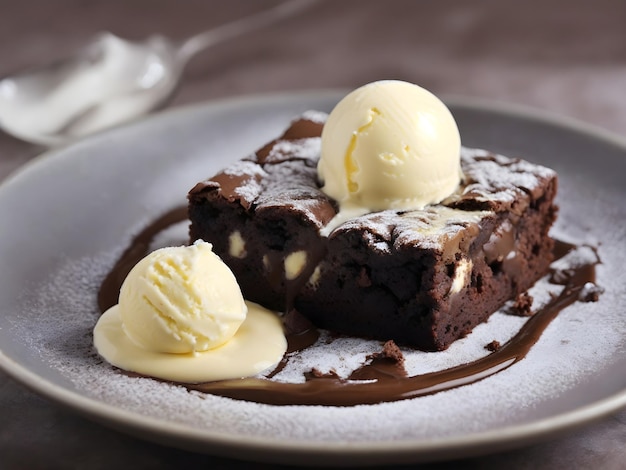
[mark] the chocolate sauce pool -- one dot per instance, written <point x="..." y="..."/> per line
<point x="382" y="378"/>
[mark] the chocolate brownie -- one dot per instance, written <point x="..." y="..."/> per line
<point x="422" y="278"/>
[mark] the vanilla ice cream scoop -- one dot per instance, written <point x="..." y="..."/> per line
<point x="180" y="300"/>
<point x="181" y="316"/>
<point x="389" y="145"/>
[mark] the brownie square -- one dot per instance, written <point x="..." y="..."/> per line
<point x="422" y="278"/>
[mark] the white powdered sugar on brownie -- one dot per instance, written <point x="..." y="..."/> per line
<point x="497" y="178"/>
<point x="430" y="228"/>
<point x="306" y="149"/>
<point x="248" y="177"/>
<point x="489" y="178"/>
<point x="312" y="115"/>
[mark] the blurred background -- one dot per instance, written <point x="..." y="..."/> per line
<point x="566" y="57"/>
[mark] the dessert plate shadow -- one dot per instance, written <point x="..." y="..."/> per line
<point x="70" y="213"/>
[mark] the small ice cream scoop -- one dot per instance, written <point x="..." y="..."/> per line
<point x="181" y="300"/>
<point x="181" y="316"/>
<point x="389" y="145"/>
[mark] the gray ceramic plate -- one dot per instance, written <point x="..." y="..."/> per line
<point x="66" y="216"/>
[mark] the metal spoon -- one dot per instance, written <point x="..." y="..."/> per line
<point x="110" y="81"/>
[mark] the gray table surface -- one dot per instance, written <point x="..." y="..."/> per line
<point x="567" y="57"/>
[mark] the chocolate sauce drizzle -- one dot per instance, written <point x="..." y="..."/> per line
<point x="381" y="378"/>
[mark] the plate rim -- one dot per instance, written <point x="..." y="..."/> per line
<point x="317" y="452"/>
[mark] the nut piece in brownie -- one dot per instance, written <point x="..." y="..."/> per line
<point x="422" y="278"/>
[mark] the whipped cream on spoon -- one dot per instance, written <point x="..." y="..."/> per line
<point x="110" y="81"/>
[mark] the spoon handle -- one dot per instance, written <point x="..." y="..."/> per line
<point x="201" y="41"/>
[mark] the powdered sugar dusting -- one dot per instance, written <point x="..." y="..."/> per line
<point x="249" y="178"/>
<point x="308" y="149"/>
<point x="582" y="256"/>
<point x="493" y="177"/>
<point x="245" y="168"/>
<point x="427" y="229"/>
<point x="318" y="117"/>
<point x="287" y="175"/>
